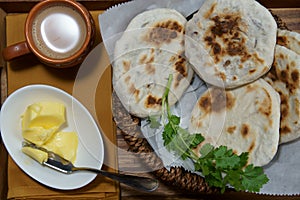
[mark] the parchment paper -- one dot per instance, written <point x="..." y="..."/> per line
<point x="283" y="171"/>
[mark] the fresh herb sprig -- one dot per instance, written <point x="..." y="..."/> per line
<point x="219" y="165"/>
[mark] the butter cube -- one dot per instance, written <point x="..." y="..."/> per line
<point x="64" y="144"/>
<point x="38" y="135"/>
<point x="41" y="120"/>
<point x="36" y="154"/>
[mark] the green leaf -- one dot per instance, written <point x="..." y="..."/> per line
<point x="226" y="159"/>
<point x="168" y="134"/>
<point x="196" y="140"/>
<point x="227" y="162"/>
<point x="186" y="138"/>
<point x="223" y="151"/>
<point x="243" y="159"/>
<point x="206" y="149"/>
<point x="254" y="178"/>
<point x="154" y="123"/>
<point x="252" y="171"/>
<point x="185" y="155"/>
<point x="233" y="177"/>
<point x="173" y="119"/>
<point x="205" y="168"/>
<point x="215" y="179"/>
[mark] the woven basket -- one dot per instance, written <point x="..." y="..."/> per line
<point x="129" y="127"/>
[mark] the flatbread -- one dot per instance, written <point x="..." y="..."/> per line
<point x="284" y="77"/>
<point x="151" y="48"/>
<point x="229" y="44"/>
<point x="245" y="119"/>
<point x="289" y="39"/>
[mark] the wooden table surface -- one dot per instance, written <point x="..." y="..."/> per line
<point x="129" y="162"/>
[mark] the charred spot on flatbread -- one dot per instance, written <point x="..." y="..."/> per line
<point x="150" y="69"/>
<point x="216" y="100"/>
<point x="180" y="66"/>
<point x="227" y="36"/>
<point x="146" y="59"/>
<point x="163" y="32"/>
<point x="294" y="81"/>
<point x="126" y="65"/>
<point x="251" y="147"/>
<point x="265" y="107"/>
<point x="282" y="40"/>
<point x="245" y="130"/>
<point x="231" y="129"/>
<point x="153" y="101"/>
<point x="133" y="90"/>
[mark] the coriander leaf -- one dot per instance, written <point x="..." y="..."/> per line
<point x="233" y="177"/>
<point x="185" y="155"/>
<point x="168" y="134"/>
<point x="154" y="123"/>
<point x="254" y="178"/>
<point x="228" y="162"/>
<point x="173" y="119"/>
<point x="225" y="158"/>
<point x="215" y="179"/>
<point x="206" y="149"/>
<point x="196" y="140"/>
<point x="177" y="145"/>
<point x="222" y="151"/>
<point x="204" y="166"/>
<point x="186" y="138"/>
<point x="178" y="140"/>
<point x="243" y="159"/>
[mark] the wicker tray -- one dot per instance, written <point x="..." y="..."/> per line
<point x="129" y="127"/>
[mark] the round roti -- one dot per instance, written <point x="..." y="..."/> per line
<point x="284" y="77"/>
<point x="229" y="44"/>
<point x="151" y="48"/>
<point x="245" y="119"/>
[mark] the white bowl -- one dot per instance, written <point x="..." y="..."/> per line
<point x="90" y="151"/>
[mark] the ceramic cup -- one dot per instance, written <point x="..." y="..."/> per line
<point x="60" y="33"/>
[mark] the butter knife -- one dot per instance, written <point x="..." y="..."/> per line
<point x="60" y="164"/>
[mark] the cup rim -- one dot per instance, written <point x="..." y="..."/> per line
<point x="89" y="34"/>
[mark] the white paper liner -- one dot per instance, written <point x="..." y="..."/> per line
<point x="283" y="171"/>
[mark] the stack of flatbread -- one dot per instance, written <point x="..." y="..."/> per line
<point x="284" y="77"/>
<point x="231" y="45"/>
<point x="255" y="112"/>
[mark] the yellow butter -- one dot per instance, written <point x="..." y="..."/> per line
<point x="41" y="120"/>
<point x="38" y="135"/>
<point x="36" y="154"/>
<point x="41" y="123"/>
<point x="64" y="144"/>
